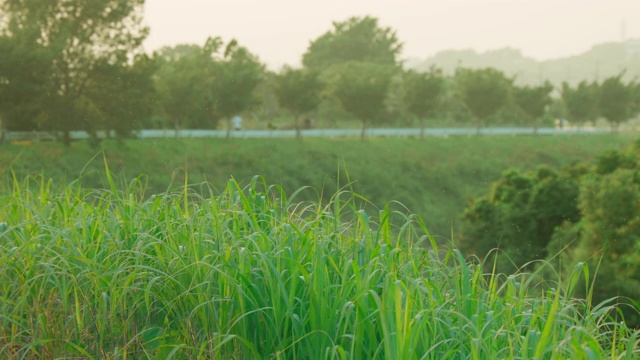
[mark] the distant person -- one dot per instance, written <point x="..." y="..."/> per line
<point x="237" y="122"/>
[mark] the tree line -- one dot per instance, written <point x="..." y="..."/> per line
<point x="77" y="65"/>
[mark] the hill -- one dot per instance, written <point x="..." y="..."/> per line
<point x="434" y="178"/>
<point x="600" y="62"/>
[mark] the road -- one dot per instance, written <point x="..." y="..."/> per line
<point x="374" y="132"/>
<point x="335" y="133"/>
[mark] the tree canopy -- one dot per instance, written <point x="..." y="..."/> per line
<point x="63" y="47"/>
<point x="484" y="91"/>
<point x="533" y="100"/>
<point x="356" y="39"/>
<point x="299" y="90"/>
<point x="235" y="77"/>
<point x="581" y="102"/>
<point x="616" y="101"/>
<point x="362" y="89"/>
<point x="423" y="93"/>
<point x="183" y="94"/>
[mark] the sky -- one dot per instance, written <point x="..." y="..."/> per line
<point x="279" y="31"/>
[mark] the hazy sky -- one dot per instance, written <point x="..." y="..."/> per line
<point x="279" y="31"/>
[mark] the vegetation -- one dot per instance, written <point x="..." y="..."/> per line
<point x="585" y="213"/>
<point x="600" y="62"/>
<point x="423" y="94"/>
<point x="434" y="178"/>
<point x="55" y="57"/>
<point x="358" y="39"/>
<point x="581" y="103"/>
<point x="616" y="101"/>
<point x="362" y="89"/>
<point x="484" y="92"/>
<point x="250" y="273"/>
<point x="534" y="101"/>
<point x="78" y="66"/>
<point x="183" y="93"/>
<point x="299" y="90"/>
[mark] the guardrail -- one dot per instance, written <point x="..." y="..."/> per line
<point x="373" y="132"/>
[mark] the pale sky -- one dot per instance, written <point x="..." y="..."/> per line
<point x="279" y="31"/>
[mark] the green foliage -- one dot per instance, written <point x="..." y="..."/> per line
<point x="585" y="214"/>
<point x="299" y="91"/>
<point x="358" y="39"/>
<point x="61" y="43"/>
<point x="616" y="101"/>
<point x="483" y="91"/>
<point x="234" y="79"/>
<point x="362" y="89"/>
<point x="199" y="86"/>
<point x="424" y="93"/>
<point x="248" y="272"/>
<point x="607" y="234"/>
<point x="581" y="103"/>
<point x="183" y="93"/>
<point x="123" y="96"/>
<point x="434" y="179"/>
<point x="519" y="216"/>
<point x="533" y="100"/>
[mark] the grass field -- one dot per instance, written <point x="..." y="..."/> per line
<point x="251" y="274"/>
<point x="434" y="178"/>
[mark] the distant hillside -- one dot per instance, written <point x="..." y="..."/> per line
<point x="600" y="62"/>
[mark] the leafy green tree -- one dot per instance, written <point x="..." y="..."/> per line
<point x="616" y="101"/>
<point x="483" y="91"/>
<point x="581" y="103"/>
<point x="122" y="96"/>
<point x="235" y="77"/>
<point x="534" y="101"/>
<point x="362" y="89"/>
<point x="24" y="81"/>
<point x="62" y="42"/>
<point x="183" y="85"/>
<point x="356" y="39"/>
<point x="299" y="91"/>
<point x="423" y="94"/>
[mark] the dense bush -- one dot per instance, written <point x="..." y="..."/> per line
<point x="588" y="213"/>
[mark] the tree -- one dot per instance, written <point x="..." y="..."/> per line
<point x="356" y="39"/>
<point x="581" y="103"/>
<point x="62" y="43"/>
<point x="183" y="85"/>
<point x="121" y="96"/>
<point x="362" y="88"/>
<point x="484" y="91"/>
<point x="299" y="91"/>
<point x="234" y="78"/>
<point x="616" y="101"/>
<point x="533" y="100"/>
<point x="423" y="94"/>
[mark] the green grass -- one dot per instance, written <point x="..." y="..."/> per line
<point x="434" y="178"/>
<point x="249" y="273"/>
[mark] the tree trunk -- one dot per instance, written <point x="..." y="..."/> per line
<point x="422" y="128"/>
<point x="66" y="138"/>
<point x="296" y="124"/>
<point x="228" y="127"/>
<point x="364" y="129"/>
<point x="176" y="127"/>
